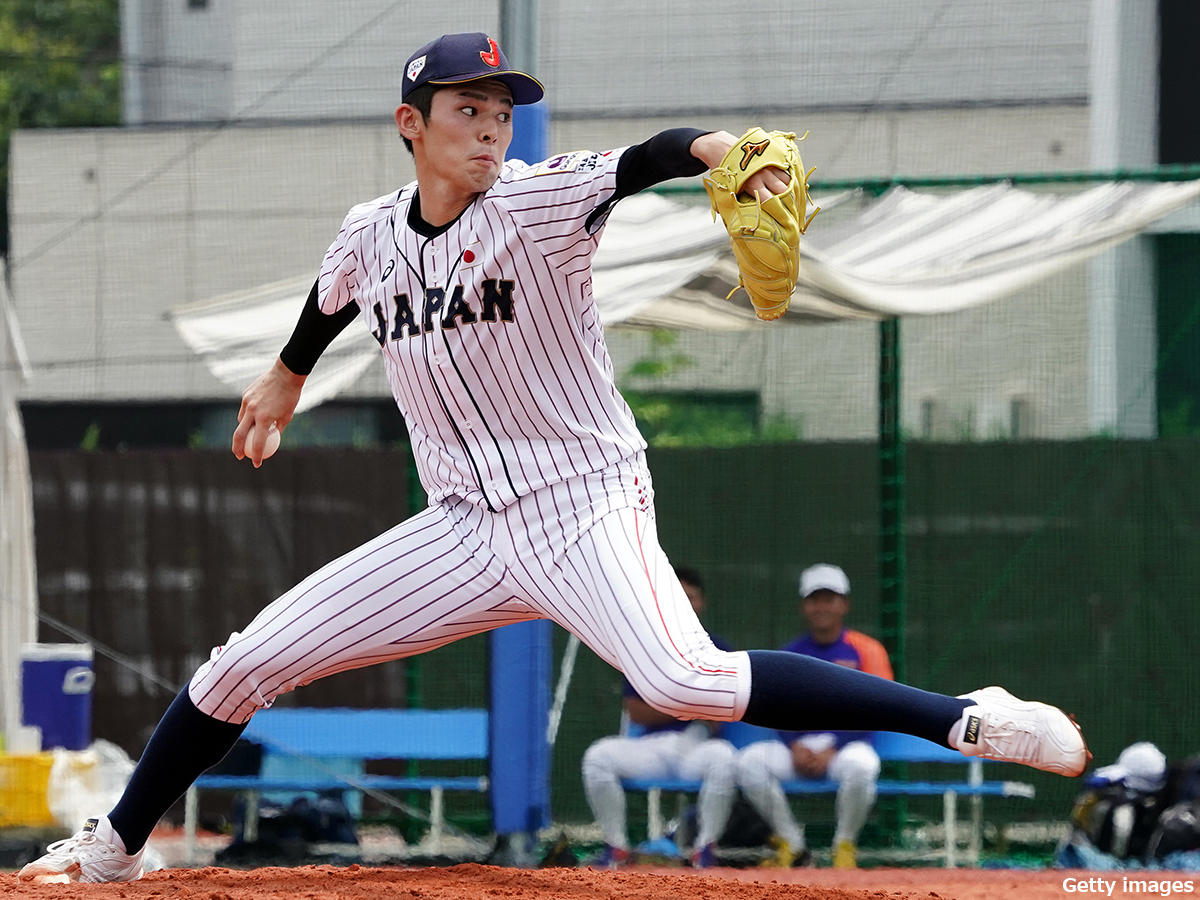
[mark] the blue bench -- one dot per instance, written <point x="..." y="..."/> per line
<point x="891" y="747"/>
<point x="326" y="749"/>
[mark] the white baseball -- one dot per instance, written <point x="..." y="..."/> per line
<point x="273" y="438"/>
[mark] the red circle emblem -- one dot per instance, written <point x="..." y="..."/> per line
<point x="469" y="256"/>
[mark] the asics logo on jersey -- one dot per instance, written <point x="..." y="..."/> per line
<point x="492" y="57"/>
<point x="496" y="300"/>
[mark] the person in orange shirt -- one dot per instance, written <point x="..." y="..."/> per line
<point x="845" y="757"/>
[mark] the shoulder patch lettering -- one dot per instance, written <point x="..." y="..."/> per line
<point x="579" y="161"/>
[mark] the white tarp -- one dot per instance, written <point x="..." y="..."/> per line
<point x="239" y="335"/>
<point x="666" y="264"/>
<point x="923" y="254"/>
<point x="18" y="592"/>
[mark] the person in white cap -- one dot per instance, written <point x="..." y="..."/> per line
<point x="1141" y="766"/>
<point x="1121" y="811"/>
<point x="845" y="757"/>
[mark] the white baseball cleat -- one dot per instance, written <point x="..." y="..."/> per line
<point x="95" y="854"/>
<point x="1002" y="727"/>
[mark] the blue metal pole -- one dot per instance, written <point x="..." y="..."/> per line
<point x="521" y="655"/>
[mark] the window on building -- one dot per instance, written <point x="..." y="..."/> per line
<point x="1020" y="418"/>
<point x="928" y="418"/>
<point x="1178" y="323"/>
<point x="1179" y="81"/>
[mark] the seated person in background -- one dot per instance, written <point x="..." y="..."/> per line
<point x="666" y="748"/>
<point x="845" y="757"/>
<point x="1120" y="809"/>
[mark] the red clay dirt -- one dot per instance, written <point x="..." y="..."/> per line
<point x="477" y="882"/>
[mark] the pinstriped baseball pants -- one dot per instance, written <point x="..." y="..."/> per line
<point x="583" y="553"/>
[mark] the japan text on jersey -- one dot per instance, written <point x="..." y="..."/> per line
<point x="492" y="342"/>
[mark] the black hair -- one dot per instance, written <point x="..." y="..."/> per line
<point x="421" y="99"/>
<point x="689" y="576"/>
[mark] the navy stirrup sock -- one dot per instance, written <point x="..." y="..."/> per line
<point x="792" y="692"/>
<point x="185" y="743"/>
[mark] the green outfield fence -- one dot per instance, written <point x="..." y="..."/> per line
<point x="1061" y="570"/>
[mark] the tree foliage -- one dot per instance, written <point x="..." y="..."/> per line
<point x="61" y="68"/>
<point x="689" y="418"/>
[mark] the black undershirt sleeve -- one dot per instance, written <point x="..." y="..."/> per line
<point x="665" y="156"/>
<point x="313" y="333"/>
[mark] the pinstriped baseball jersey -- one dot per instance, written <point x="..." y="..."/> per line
<point x="491" y="339"/>
<point x="540" y="502"/>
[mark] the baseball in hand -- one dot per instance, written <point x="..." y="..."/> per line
<point x="273" y="438"/>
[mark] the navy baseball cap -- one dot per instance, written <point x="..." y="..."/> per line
<point x="458" y="58"/>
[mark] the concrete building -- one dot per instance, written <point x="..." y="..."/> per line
<point x="252" y="128"/>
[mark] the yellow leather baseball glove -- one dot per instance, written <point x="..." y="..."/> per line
<point x="765" y="234"/>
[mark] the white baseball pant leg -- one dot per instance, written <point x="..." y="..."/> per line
<point x="611" y="759"/>
<point x="617" y="591"/>
<point x="417" y="586"/>
<point x="606" y="580"/>
<point x="761" y="767"/>
<point x="713" y="763"/>
<point x="856" y="770"/>
<point x="582" y="552"/>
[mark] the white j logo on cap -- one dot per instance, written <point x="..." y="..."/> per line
<point x="415" y="67"/>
